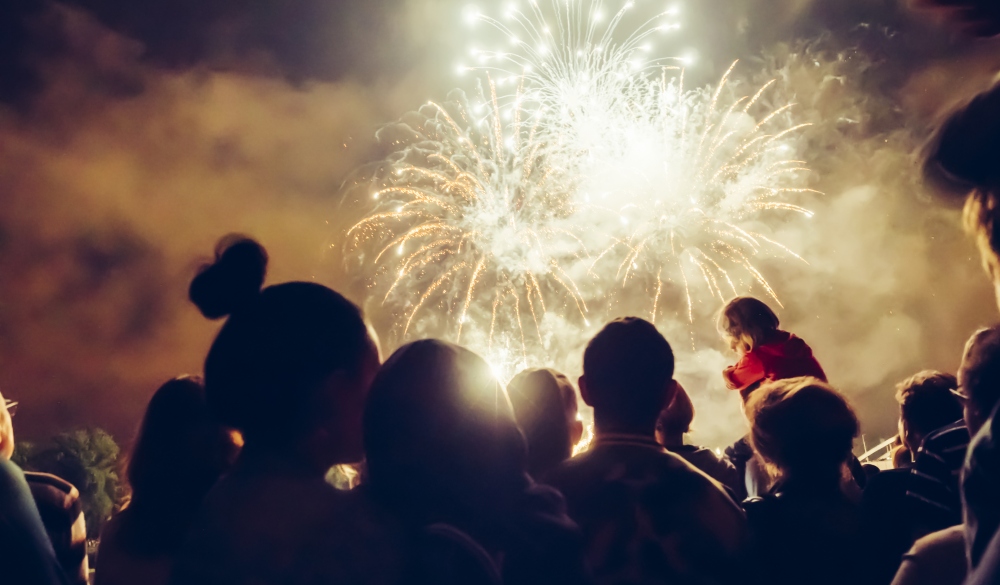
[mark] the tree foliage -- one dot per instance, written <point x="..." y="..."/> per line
<point x="88" y="459"/>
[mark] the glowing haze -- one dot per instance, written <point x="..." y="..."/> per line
<point x="596" y="171"/>
<point x="126" y="164"/>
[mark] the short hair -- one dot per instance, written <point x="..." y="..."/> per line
<point x="927" y="401"/>
<point x="801" y="425"/>
<point x="627" y="367"/>
<point x="542" y="398"/>
<point x="678" y="416"/>
<point x="980" y="370"/>
<point x="748" y="321"/>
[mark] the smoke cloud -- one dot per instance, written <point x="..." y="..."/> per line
<point x="125" y="154"/>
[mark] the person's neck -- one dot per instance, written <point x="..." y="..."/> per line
<point x="280" y="460"/>
<point x="606" y="429"/>
<point x="673" y="440"/>
<point x="823" y="482"/>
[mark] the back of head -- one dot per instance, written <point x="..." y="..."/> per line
<point x="979" y="374"/>
<point x="543" y="400"/>
<point x="927" y="402"/>
<point x="802" y="426"/>
<point x="676" y="419"/>
<point x="627" y="368"/>
<point x="962" y="158"/>
<point x="439" y="431"/>
<point x="747" y="322"/>
<point x="268" y="364"/>
<point x="179" y="453"/>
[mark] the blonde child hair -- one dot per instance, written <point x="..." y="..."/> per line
<point x="746" y="322"/>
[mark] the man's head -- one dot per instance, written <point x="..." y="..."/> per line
<point x="6" y="431"/>
<point x="979" y="376"/>
<point x="628" y="370"/>
<point x="980" y="18"/>
<point x="926" y="403"/>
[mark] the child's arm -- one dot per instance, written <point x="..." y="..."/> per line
<point x="746" y="371"/>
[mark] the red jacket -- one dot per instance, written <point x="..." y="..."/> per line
<point x="783" y="356"/>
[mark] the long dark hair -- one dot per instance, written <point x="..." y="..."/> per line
<point x="179" y="452"/>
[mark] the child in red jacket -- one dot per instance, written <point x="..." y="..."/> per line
<point x="766" y="352"/>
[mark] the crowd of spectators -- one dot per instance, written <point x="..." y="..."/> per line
<point x="464" y="481"/>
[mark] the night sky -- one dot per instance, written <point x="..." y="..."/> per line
<point x="134" y="134"/>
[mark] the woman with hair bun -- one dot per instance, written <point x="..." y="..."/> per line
<point x="290" y="369"/>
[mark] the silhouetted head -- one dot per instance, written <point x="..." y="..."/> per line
<point x="546" y="409"/>
<point x="628" y="370"/>
<point x="979" y="18"/>
<point x="675" y="420"/>
<point x="181" y="450"/>
<point x="926" y="403"/>
<point x="802" y="427"/>
<point x="440" y="436"/>
<point x="746" y="322"/>
<point x="979" y="377"/>
<point x="292" y="364"/>
<point x="962" y="159"/>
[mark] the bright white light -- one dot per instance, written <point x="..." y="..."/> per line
<point x="471" y="14"/>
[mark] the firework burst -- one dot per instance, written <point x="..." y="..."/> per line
<point x="573" y="63"/>
<point x="473" y="219"/>
<point x="592" y="175"/>
<point x="688" y="174"/>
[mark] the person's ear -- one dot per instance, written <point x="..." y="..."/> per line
<point x="668" y="396"/>
<point x="584" y="393"/>
<point x="576" y="432"/>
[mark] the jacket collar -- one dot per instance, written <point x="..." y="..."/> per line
<point x="626" y="439"/>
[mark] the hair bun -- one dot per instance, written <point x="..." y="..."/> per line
<point x="231" y="282"/>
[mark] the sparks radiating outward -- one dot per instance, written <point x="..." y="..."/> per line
<point x="688" y="177"/>
<point x="683" y="171"/>
<point x="592" y="173"/>
<point x="573" y="62"/>
<point x="472" y="218"/>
